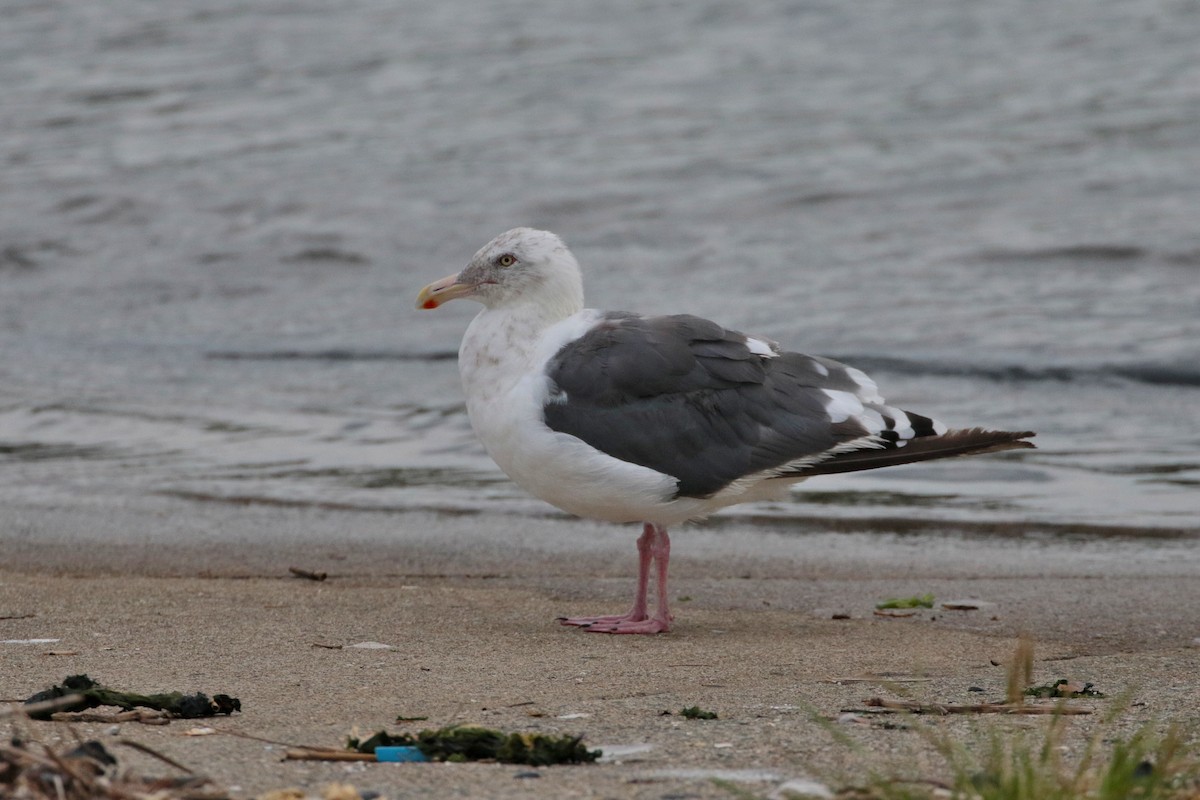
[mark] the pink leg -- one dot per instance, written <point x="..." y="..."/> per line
<point x="653" y="546"/>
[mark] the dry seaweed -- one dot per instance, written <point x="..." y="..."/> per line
<point x="476" y="743"/>
<point x="88" y="771"/>
<point x="975" y="708"/>
<point x="1063" y="688"/>
<point x="91" y="694"/>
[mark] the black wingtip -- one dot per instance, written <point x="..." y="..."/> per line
<point x="962" y="442"/>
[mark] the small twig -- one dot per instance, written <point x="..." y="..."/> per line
<point x="304" y="573"/>
<point x="877" y="679"/>
<point x="152" y="752"/>
<point x="69" y="769"/>
<point x="142" y="715"/>
<point x="263" y="739"/>
<point x="315" y="754"/>
<point x="17" y="616"/>
<point x="980" y="708"/>
<point x="36" y="708"/>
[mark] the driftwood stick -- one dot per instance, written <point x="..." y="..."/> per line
<point x="142" y="715"/>
<point x="317" y="754"/>
<point x="25" y="709"/>
<point x="307" y="573"/>
<point x="979" y="708"/>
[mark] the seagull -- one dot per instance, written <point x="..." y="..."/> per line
<point x="659" y="420"/>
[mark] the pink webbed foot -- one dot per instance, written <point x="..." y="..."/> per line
<point x="624" y="623"/>
<point x="654" y="546"/>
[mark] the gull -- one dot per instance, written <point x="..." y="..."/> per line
<point x="659" y="420"/>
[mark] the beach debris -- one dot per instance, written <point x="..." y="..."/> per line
<point x="17" y="615"/>
<point x="727" y="779"/>
<point x="894" y="612"/>
<point x="30" y="641"/>
<point x="308" y="574"/>
<point x="800" y="787"/>
<point x="402" y="718"/>
<point x="917" y="601"/>
<point x="695" y="712"/>
<point x="324" y="754"/>
<point x="886" y="706"/>
<point x="969" y="604"/>
<point x="331" y="791"/>
<point x="1063" y="688"/>
<point x="88" y="771"/>
<point x="399" y="755"/>
<point x="91" y="694"/>
<point x="619" y="753"/>
<point x="145" y="716"/>
<point x="476" y="743"/>
<point x="879" y="677"/>
<point x="371" y="646"/>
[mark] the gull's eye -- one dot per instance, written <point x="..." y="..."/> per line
<point x="506" y="260"/>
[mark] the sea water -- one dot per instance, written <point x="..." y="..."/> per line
<point x="214" y="219"/>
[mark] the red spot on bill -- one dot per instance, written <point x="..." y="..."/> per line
<point x="430" y="303"/>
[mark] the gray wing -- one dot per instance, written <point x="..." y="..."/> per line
<point x="683" y="396"/>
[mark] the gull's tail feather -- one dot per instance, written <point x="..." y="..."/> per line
<point x="966" y="442"/>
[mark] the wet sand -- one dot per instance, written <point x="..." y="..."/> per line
<point x="467" y="606"/>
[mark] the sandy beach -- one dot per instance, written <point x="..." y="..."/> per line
<point x="467" y="604"/>
<point x="215" y="222"/>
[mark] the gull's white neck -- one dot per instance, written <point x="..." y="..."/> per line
<point x="501" y="342"/>
<point x="501" y="363"/>
<point x="504" y="341"/>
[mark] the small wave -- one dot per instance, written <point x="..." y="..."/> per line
<point x="331" y="354"/>
<point x="1074" y="252"/>
<point x="326" y="254"/>
<point x="40" y="451"/>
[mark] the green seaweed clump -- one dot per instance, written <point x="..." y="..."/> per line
<point x="695" y="712"/>
<point x="92" y="694"/>
<point x="919" y="601"/>
<point x="476" y="743"/>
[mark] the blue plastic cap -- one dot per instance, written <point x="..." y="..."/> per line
<point x="399" y="754"/>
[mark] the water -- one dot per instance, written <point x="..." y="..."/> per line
<point x="214" y="220"/>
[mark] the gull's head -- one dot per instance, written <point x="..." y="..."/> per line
<point x="519" y="266"/>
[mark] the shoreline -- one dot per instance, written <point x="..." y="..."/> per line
<point x="467" y="607"/>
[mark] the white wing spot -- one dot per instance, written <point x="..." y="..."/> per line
<point x="842" y="405"/>
<point x="762" y="347"/>
<point x="870" y="391"/>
